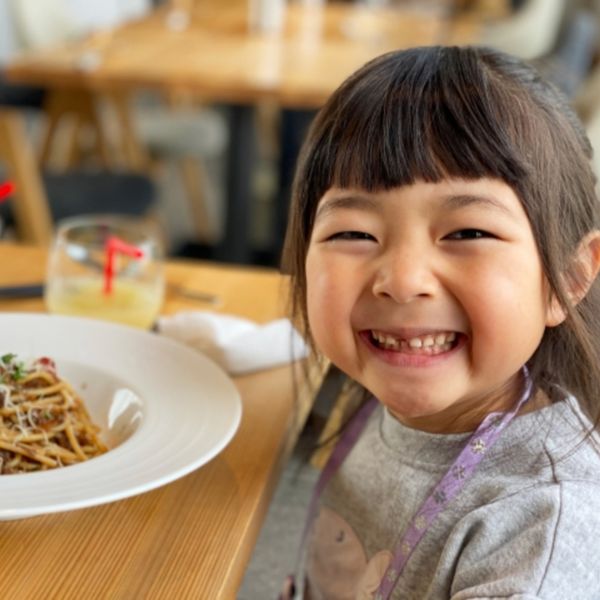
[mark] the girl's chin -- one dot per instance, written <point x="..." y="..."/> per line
<point x="425" y="415"/>
<point x="407" y="415"/>
<point x="433" y="423"/>
<point x="410" y="410"/>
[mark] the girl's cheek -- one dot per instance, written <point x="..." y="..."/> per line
<point x="317" y="307"/>
<point x="325" y="300"/>
<point x="322" y="313"/>
<point x="318" y="283"/>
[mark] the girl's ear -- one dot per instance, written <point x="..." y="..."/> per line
<point x="582" y="272"/>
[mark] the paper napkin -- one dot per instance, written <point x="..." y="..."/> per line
<point x="238" y="345"/>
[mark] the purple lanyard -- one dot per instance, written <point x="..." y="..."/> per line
<point x="448" y="487"/>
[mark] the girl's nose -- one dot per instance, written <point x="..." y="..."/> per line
<point x="405" y="276"/>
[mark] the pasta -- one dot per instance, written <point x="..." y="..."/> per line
<point x="43" y="422"/>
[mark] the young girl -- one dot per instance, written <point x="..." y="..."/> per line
<point x="444" y="240"/>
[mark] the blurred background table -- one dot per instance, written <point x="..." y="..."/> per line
<point x="206" y="49"/>
<point x="193" y="537"/>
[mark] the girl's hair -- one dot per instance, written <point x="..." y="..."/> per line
<point x="467" y="112"/>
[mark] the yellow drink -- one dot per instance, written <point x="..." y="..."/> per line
<point x="134" y="303"/>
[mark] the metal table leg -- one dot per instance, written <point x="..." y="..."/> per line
<point x="294" y="126"/>
<point x="235" y="247"/>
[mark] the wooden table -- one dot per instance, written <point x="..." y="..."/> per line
<point x="191" y="538"/>
<point x="218" y="58"/>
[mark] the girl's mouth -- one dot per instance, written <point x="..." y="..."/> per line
<point x="428" y="344"/>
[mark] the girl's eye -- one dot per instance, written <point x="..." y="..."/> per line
<point x="351" y="236"/>
<point x="469" y="234"/>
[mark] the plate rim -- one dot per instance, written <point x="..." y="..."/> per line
<point x="152" y="482"/>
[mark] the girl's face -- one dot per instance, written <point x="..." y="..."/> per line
<point x="431" y="296"/>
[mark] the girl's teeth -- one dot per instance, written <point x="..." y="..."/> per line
<point x="391" y="342"/>
<point x="441" y="342"/>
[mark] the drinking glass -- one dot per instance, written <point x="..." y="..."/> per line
<point x="106" y="267"/>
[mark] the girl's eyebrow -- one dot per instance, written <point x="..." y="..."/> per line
<point x="450" y="202"/>
<point x="458" y="201"/>
<point x="349" y="201"/>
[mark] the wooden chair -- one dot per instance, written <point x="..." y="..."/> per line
<point x="187" y="134"/>
<point x="43" y="198"/>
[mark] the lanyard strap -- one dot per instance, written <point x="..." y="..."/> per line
<point x="448" y="487"/>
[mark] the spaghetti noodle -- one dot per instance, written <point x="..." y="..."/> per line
<point x="43" y="422"/>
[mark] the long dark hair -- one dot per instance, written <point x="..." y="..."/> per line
<point x="436" y="112"/>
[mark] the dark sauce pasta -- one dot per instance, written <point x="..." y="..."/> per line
<point x="43" y="422"/>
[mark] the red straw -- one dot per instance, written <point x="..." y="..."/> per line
<point x="113" y="246"/>
<point x="6" y="189"/>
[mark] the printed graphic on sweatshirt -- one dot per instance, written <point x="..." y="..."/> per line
<point x="337" y="566"/>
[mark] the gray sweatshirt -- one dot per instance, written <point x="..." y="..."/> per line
<point x="525" y="526"/>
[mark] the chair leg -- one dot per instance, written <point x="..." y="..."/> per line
<point x="30" y="205"/>
<point x="193" y="175"/>
<point x="134" y="154"/>
<point x="48" y="138"/>
<point x="79" y="107"/>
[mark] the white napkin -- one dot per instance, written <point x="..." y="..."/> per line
<point x="238" y="345"/>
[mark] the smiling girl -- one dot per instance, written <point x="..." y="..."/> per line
<point x="444" y="241"/>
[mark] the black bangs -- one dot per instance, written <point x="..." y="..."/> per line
<point x="426" y="113"/>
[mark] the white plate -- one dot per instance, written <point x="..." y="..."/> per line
<point x="164" y="410"/>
